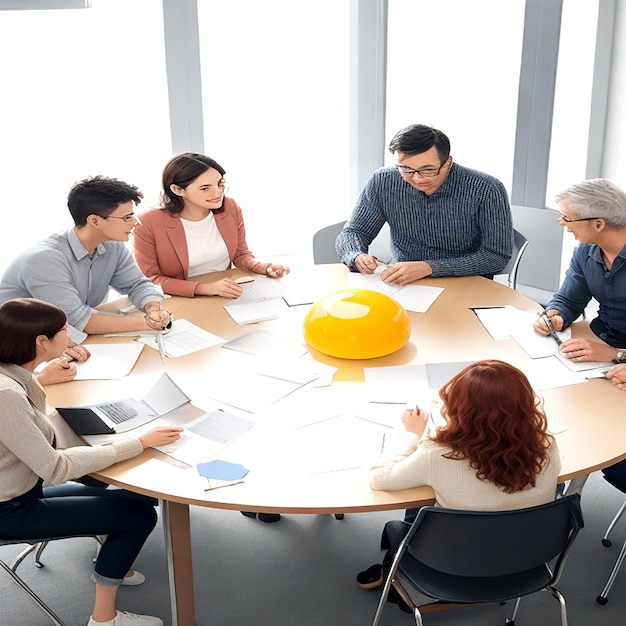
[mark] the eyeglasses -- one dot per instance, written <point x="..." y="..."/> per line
<point x="126" y="218"/>
<point x="428" y="172"/>
<point x="569" y="220"/>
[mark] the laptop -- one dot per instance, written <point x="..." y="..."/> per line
<point x="121" y="416"/>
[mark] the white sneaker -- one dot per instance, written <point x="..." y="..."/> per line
<point x="136" y="579"/>
<point x="123" y="618"/>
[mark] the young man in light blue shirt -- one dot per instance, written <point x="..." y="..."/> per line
<point x="75" y="269"/>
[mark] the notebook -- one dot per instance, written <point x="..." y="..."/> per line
<point x="123" y="415"/>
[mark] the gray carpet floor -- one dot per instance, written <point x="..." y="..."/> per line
<point x="300" y="572"/>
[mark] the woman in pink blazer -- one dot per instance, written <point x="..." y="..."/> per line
<point x="196" y="230"/>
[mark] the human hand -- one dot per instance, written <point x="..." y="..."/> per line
<point x="276" y="271"/>
<point x="226" y="288"/>
<point x="617" y="375"/>
<point x="540" y="326"/>
<point x="158" y="319"/>
<point x="366" y="263"/>
<point x="406" y="272"/>
<point x="160" y="436"/>
<point x="581" y="350"/>
<point x="57" y="371"/>
<point x="76" y="352"/>
<point x="414" y="420"/>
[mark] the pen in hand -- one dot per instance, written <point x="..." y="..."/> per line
<point x="551" y="328"/>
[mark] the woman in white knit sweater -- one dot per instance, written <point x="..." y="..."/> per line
<point x="31" y="332"/>
<point x="493" y="453"/>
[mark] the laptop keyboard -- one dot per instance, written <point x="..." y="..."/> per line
<point x="117" y="412"/>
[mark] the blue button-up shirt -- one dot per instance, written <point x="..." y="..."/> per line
<point x="61" y="271"/>
<point x="588" y="277"/>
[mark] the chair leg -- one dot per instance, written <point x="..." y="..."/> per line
<point x="605" y="540"/>
<point x="40" y="548"/>
<point x="511" y="620"/>
<point x="559" y="596"/>
<point x="22" y="555"/>
<point x="383" y="600"/>
<point x="603" y="597"/>
<point x="34" y="597"/>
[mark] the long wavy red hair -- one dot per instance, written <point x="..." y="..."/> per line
<point x="495" y="420"/>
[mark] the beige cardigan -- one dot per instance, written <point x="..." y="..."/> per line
<point x="27" y="439"/>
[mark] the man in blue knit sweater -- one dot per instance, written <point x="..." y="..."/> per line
<point x="444" y="219"/>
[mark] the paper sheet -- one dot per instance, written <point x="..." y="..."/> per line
<point x="417" y="298"/>
<point x="108" y="361"/>
<point x="183" y="338"/>
<point x="206" y="436"/>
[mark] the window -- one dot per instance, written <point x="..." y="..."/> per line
<point x="275" y="83"/>
<point x="84" y="93"/>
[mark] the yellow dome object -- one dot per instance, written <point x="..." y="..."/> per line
<point x="356" y="324"/>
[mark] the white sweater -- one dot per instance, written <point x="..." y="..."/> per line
<point x="421" y="462"/>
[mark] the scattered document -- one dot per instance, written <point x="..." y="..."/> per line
<point x="255" y="342"/>
<point x="591" y="369"/>
<point x="409" y="384"/>
<point x="400" y="384"/>
<point x="339" y="443"/>
<point x="108" y="361"/>
<point x="549" y="373"/>
<point x="249" y="391"/>
<point x="253" y="311"/>
<point x="183" y="338"/>
<point x="206" y="436"/>
<point x="417" y="298"/>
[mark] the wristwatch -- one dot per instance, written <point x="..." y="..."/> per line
<point x="620" y="357"/>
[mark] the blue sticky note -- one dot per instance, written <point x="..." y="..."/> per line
<point x="222" y="470"/>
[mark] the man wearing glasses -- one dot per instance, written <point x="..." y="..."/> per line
<point x="444" y="219"/>
<point x="594" y="211"/>
<point x="74" y="269"/>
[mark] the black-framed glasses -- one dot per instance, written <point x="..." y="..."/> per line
<point x="427" y="172"/>
<point x="127" y="218"/>
<point x="569" y="220"/>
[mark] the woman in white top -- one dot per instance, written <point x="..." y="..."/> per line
<point x="197" y="230"/>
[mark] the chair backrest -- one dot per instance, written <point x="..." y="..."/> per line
<point x="520" y="243"/>
<point x="324" y="244"/>
<point x="498" y="543"/>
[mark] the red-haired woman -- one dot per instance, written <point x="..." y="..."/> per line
<point x="493" y="454"/>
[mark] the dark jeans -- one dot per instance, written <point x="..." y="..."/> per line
<point x="77" y="509"/>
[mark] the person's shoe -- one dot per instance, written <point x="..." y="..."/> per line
<point x="371" y="578"/>
<point x="395" y="598"/>
<point x="136" y="579"/>
<point x="123" y="618"/>
<point x="268" y="518"/>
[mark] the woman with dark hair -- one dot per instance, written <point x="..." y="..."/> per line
<point x="197" y="230"/>
<point x="31" y="332"/>
<point x="494" y="452"/>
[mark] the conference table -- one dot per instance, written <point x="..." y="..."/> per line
<point x="588" y="418"/>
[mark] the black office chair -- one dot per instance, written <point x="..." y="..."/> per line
<point x="469" y="557"/>
<point x="616" y="476"/>
<point x="36" y="545"/>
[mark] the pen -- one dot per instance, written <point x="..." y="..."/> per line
<point x="551" y="328"/>
<point x="236" y="482"/>
<point x="159" y="341"/>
